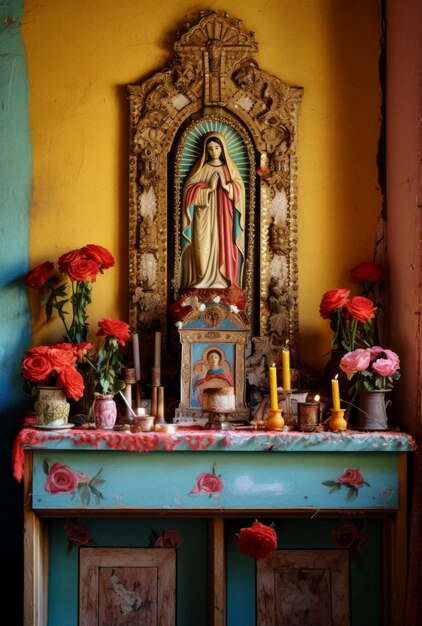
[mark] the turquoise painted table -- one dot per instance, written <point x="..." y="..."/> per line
<point x="212" y="474"/>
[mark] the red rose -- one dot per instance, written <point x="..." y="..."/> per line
<point x="72" y="381"/>
<point x="348" y="536"/>
<point x="65" y="346"/>
<point x="60" y="358"/>
<point x="169" y="539"/>
<point x="209" y="484"/>
<point x="351" y="477"/>
<point x="100" y="255"/>
<point x="114" y="328"/>
<point x="78" y="535"/>
<point x="83" y="269"/>
<point x="40" y="275"/>
<point x="80" y="349"/>
<point x="37" y="351"/>
<point x="69" y="257"/>
<point x="367" y="270"/>
<point x="258" y="541"/>
<point x="361" y="308"/>
<point x="332" y="300"/>
<point x="36" y="368"/>
<point x="60" y="479"/>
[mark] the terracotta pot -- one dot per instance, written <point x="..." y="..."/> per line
<point x="104" y="411"/>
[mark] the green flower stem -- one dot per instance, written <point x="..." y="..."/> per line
<point x="353" y="329"/>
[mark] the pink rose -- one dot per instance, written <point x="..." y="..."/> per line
<point x="356" y="361"/>
<point x="392" y="356"/>
<point x="82" y="478"/>
<point x="385" y="367"/>
<point x="375" y="350"/>
<point x="351" y="477"/>
<point x="209" y="484"/>
<point x="61" y="479"/>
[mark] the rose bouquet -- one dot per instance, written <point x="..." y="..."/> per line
<point x="106" y="362"/>
<point x="376" y="368"/>
<point x="68" y="291"/>
<point x="55" y="366"/>
<point x="350" y="318"/>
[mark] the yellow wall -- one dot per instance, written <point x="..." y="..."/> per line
<point x="81" y="55"/>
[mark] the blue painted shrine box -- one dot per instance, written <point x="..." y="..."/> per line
<point x="219" y="475"/>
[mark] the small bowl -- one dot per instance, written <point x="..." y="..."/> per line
<point x="145" y="423"/>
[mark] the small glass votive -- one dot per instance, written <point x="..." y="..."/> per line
<point x="308" y="415"/>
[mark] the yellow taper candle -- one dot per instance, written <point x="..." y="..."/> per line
<point x="286" y="370"/>
<point x="273" y="387"/>
<point x="336" y="394"/>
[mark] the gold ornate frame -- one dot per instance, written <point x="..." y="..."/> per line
<point x="214" y="73"/>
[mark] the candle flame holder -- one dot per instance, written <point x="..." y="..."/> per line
<point x="275" y="420"/>
<point x="337" y="420"/>
<point x="308" y="414"/>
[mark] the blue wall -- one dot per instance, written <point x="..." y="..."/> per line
<point x="15" y="328"/>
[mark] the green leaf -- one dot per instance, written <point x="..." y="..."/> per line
<point x="334" y="489"/>
<point x="352" y="493"/>
<point x="84" y="493"/>
<point x="95" y="491"/>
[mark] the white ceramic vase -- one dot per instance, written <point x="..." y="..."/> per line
<point x="51" y="407"/>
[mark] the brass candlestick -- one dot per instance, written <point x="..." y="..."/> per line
<point x="155" y="376"/>
<point x="154" y="400"/>
<point x="159" y="418"/>
<point x="289" y="417"/>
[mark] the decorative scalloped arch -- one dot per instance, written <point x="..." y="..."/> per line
<point x="214" y="75"/>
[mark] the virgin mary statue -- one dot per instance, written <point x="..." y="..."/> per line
<point x="213" y="219"/>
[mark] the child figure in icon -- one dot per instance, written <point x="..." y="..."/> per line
<point x="211" y="371"/>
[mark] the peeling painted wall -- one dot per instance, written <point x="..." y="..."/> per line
<point x="15" y="325"/>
